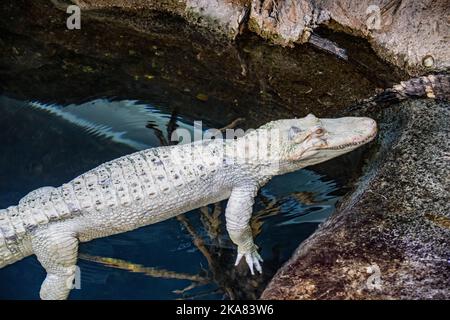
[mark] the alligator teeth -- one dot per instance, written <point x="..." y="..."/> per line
<point x="352" y="144"/>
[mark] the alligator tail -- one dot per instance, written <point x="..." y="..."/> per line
<point x="9" y="252"/>
<point x="6" y="256"/>
<point x="431" y="86"/>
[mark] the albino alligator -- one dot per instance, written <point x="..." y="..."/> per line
<point x="155" y="184"/>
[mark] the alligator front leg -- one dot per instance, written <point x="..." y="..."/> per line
<point x="57" y="253"/>
<point x="238" y="214"/>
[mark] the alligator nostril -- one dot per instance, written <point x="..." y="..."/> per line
<point x="370" y="123"/>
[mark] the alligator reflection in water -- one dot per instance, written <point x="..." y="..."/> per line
<point x="165" y="261"/>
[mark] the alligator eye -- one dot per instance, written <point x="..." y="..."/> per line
<point x="319" y="131"/>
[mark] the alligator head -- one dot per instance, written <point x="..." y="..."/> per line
<point x="311" y="140"/>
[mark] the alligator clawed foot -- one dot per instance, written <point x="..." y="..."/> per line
<point x="253" y="260"/>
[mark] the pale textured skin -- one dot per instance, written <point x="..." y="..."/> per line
<point x="159" y="183"/>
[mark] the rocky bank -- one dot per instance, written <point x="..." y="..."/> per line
<point x="390" y="237"/>
<point x="413" y="35"/>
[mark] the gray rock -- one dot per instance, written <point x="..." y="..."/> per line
<point x="390" y="238"/>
